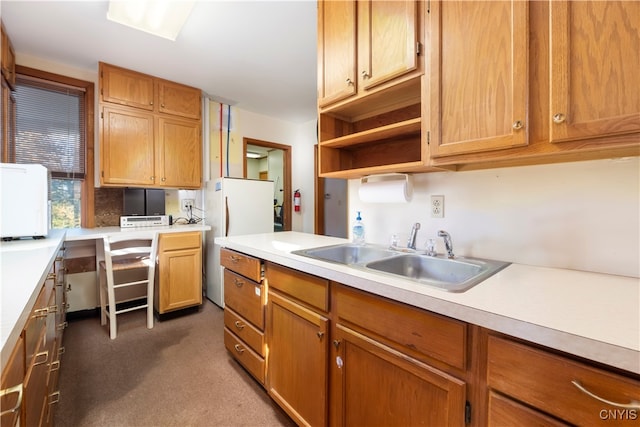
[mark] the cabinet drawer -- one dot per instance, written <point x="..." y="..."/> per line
<point x="240" y="263"/>
<point x="507" y="412"/>
<point x="243" y="354"/>
<point x="34" y="330"/>
<point x="308" y="289"/>
<point x="411" y="329"/>
<point x="174" y="241"/>
<point x="544" y="380"/>
<point x="244" y="330"/>
<point x="12" y="376"/>
<point x="245" y="297"/>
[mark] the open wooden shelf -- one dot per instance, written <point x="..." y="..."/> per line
<point x="401" y="129"/>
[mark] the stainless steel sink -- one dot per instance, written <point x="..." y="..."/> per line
<point x="454" y="275"/>
<point x="348" y="253"/>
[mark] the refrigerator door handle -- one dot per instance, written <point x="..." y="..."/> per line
<point x="226" y="216"/>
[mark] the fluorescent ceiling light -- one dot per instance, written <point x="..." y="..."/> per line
<point x="252" y="155"/>
<point x="163" y="18"/>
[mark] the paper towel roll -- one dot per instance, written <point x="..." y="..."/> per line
<point x="386" y="191"/>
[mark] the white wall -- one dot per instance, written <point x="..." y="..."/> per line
<point x="301" y="138"/>
<point x="582" y="215"/>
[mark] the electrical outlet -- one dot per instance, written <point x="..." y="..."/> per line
<point x="187" y="205"/>
<point x="437" y="206"/>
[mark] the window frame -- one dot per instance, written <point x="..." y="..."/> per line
<point x="87" y="217"/>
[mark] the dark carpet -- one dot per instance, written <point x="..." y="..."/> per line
<point x="176" y="374"/>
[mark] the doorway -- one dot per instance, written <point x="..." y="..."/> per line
<point x="272" y="161"/>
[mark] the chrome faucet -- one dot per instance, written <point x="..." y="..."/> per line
<point x="447" y="243"/>
<point x="411" y="243"/>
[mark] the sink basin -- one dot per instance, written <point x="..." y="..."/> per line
<point x="347" y="253"/>
<point x="454" y="275"/>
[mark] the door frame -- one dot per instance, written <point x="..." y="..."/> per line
<point x="286" y="185"/>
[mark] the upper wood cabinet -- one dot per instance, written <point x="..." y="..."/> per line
<point x="552" y="81"/>
<point x="127" y="147"/>
<point x="370" y="67"/>
<point x="126" y="87"/>
<point x="8" y="58"/>
<point x="151" y="131"/>
<point x="362" y="44"/>
<point x="595" y="61"/>
<point x="133" y="89"/>
<point x="479" y="77"/>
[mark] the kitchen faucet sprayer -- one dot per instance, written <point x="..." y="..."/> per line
<point x="447" y="243"/>
<point x="411" y="243"/>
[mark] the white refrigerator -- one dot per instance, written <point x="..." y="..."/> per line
<point x="233" y="207"/>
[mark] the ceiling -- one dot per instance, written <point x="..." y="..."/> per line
<point x="257" y="55"/>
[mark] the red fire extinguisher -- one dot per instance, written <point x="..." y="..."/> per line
<point x="296" y="200"/>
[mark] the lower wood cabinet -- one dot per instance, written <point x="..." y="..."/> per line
<point x="378" y="385"/>
<point x="11" y="384"/>
<point x="30" y="378"/>
<point x="297" y="375"/>
<point x="298" y="341"/>
<point x="180" y="271"/>
<point x="390" y="361"/>
<point x="332" y="355"/>
<point x="244" y="311"/>
<point x="556" y="386"/>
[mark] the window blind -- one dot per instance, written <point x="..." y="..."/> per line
<point x="50" y="126"/>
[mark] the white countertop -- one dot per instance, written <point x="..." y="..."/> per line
<point x="591" y="315"/>
<point x="24" y="265"/>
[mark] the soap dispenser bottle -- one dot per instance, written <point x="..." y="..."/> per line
<point x="358" y="231"/>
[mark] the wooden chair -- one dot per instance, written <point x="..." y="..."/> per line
<point x="129" y="262"/>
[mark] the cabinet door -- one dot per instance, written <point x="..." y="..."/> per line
<point x="126" y="87"/>
<point x="387" y="40"/>
<point x="297" y="372"/>
<point x="8" y="59"/>
<point x="336" y="51"/>
<point x="180" y="279"/>
<point x="8" y="127"/>
<point x="179" y="100"/>
<point x="479" y="76"/>
<point x="178" y="153"/>
<point x="595" y="89"/>
<point x="127" y="152"/>
<point x="380" y="386"/>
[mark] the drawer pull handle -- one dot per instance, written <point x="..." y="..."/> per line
<point x="336" y="344"/>
<point x="15" y="389"/>
<point x="62" y="326"/>
<point x="55" y="365"/>
<point x="239" y="348"/>
<point x="320" y="334"/>
<point x="234" y="258"/>
<point x="54" y="398"/>
<point x="631" y="405"/>
<point x="44" y="354"/>
<point x="238" y="283"/>
<point x="239" y="325"/>
<point x="41" y="312"/>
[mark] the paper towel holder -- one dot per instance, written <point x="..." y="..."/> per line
<point x="408" y="179"/>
